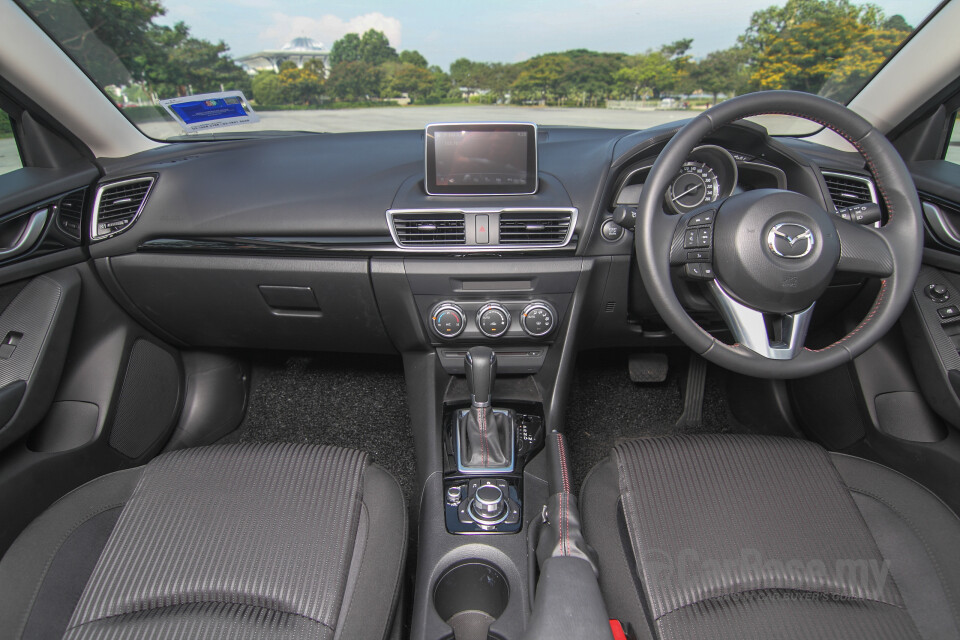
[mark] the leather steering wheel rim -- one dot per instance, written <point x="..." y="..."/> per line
<point x="902" y="235"/>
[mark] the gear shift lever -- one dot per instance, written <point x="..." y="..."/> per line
<point x="485" y="436"/>
<point x="480" y="365"/>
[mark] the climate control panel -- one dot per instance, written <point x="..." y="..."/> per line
<point x="493" y="319"/>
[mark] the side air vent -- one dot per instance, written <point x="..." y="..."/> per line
<point x="70" y="212"/>
<point x="534" y="227"/>
<point x="847" y="190"/>
<point x="117" y="206"/>
<point x="429" y="229"/>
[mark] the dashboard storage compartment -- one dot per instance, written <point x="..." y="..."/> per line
<point x="273" y="303"/>
<point x="469" y="597"/>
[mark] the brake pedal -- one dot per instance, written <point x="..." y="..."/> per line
<point x="648" y="367"/>
<point x="692" y="416"/>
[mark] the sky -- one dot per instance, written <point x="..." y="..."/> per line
<point x="492" y="30"/>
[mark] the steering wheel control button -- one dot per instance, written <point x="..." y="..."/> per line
<point x="611" y="231"/>
<point x="698" y="256"/>
<point x="538" y="319"/>
<point x="493" y="320"/>
<point x="698" y="237"/>
<point x="447" y="320"/>
<point x="699" y="271"/>
<point x="937" y="292"/>
<point x="948" y="313"/>
<point x="702" y="218"/>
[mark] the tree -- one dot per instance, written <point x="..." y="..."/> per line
<point x="807" y="43"/>
<point x="266" y="88"/>
<point x="466" y="74"/>
<point x="300" y="86"/>
<point x="346" y="49"/>
<point x="375" y="49"/>
<point x="497" y="78"/>
<point x="414" y="58"/>
<point x="191" y="65"/>
<point x="412" y="80"/>
<point x="723" y="71"/>
<point x="589" y="76"/>
<point x="111" y="39"/>
<point x="677" y="48"/>
<point x="543" y="76"/>
<point x="646" y="74"/>
<point x="354" y="81"/>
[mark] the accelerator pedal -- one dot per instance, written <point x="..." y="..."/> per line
<point x="648" y="367"/>
<point x="692" y="416"/>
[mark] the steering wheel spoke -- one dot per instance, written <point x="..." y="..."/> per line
<point x="773" y="336"/>
<point x="863" y="250"/>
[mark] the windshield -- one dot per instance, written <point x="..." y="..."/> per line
<point x="181" y="68"/>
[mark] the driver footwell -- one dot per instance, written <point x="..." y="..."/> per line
<point x="606" y="406"/>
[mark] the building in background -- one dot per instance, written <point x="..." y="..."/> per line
<point x="298" y="51"/>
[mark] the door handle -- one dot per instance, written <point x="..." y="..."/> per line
<point x="28" y="236"/>
<point x="941" y="227"/>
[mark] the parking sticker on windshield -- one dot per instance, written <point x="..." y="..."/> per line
<point x="210" y="111"/>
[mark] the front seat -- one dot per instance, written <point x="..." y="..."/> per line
<point x="720" y="536"/>
<point x="230" y="541"/>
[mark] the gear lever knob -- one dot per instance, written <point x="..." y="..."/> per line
<point x="480" y="365"/>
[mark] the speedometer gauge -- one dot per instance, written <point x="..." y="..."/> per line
<point x="696" y="184"/>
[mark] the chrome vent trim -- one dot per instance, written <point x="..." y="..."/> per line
<point x="70" y="212"/>
<point x="543" y="228"/>
<point x="847" y="189"/>
<point x="118" y="205"/>
<point x="423" y="229"/>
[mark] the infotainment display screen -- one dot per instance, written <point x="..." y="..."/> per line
<point x="481" y="159"/>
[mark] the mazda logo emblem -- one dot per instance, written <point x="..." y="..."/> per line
<point x="790" y="240"/>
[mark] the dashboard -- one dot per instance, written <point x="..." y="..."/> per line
<point x="333" y="242"/>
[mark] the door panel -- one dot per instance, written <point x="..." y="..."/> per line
<point x="35" y="331"/>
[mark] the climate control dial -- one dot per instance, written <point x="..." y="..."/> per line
<point x="538" y="319"/>
<point x="493" y="320"/>
<point x="447" y="320"/>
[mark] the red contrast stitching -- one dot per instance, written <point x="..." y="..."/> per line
<point x="873" y="312"/>
<point x="883" y="193"/>
<point x="866" y="156"/>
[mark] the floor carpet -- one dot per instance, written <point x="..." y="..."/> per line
<point x="606" y="406"/>
<point x="346" y="400"/>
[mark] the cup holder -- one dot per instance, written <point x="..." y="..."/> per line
<point x="469" y="596"/>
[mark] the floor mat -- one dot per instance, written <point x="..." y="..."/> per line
<point x="347" y="400"/>
<point x="605" y="406"/>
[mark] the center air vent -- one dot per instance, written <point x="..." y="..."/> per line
<point x="533" y="227"/>
<point x="429" y="229"/>
<point x="118" y="204"/>
<point x="847" y="190"/>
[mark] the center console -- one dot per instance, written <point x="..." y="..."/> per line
<point x="486" y="449"/>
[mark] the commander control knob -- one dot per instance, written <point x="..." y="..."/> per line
<point x="447" y="320"/>
<point x="538" y="319"/>
<point x="493" y="320"/>
<point x="489" y="503"/>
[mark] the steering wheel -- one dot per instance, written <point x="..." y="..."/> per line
<point x="767" y="255"/>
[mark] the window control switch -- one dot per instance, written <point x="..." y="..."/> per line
<point x="949" y="313"/>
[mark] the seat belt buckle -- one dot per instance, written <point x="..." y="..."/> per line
<point x="619" y="632"/>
